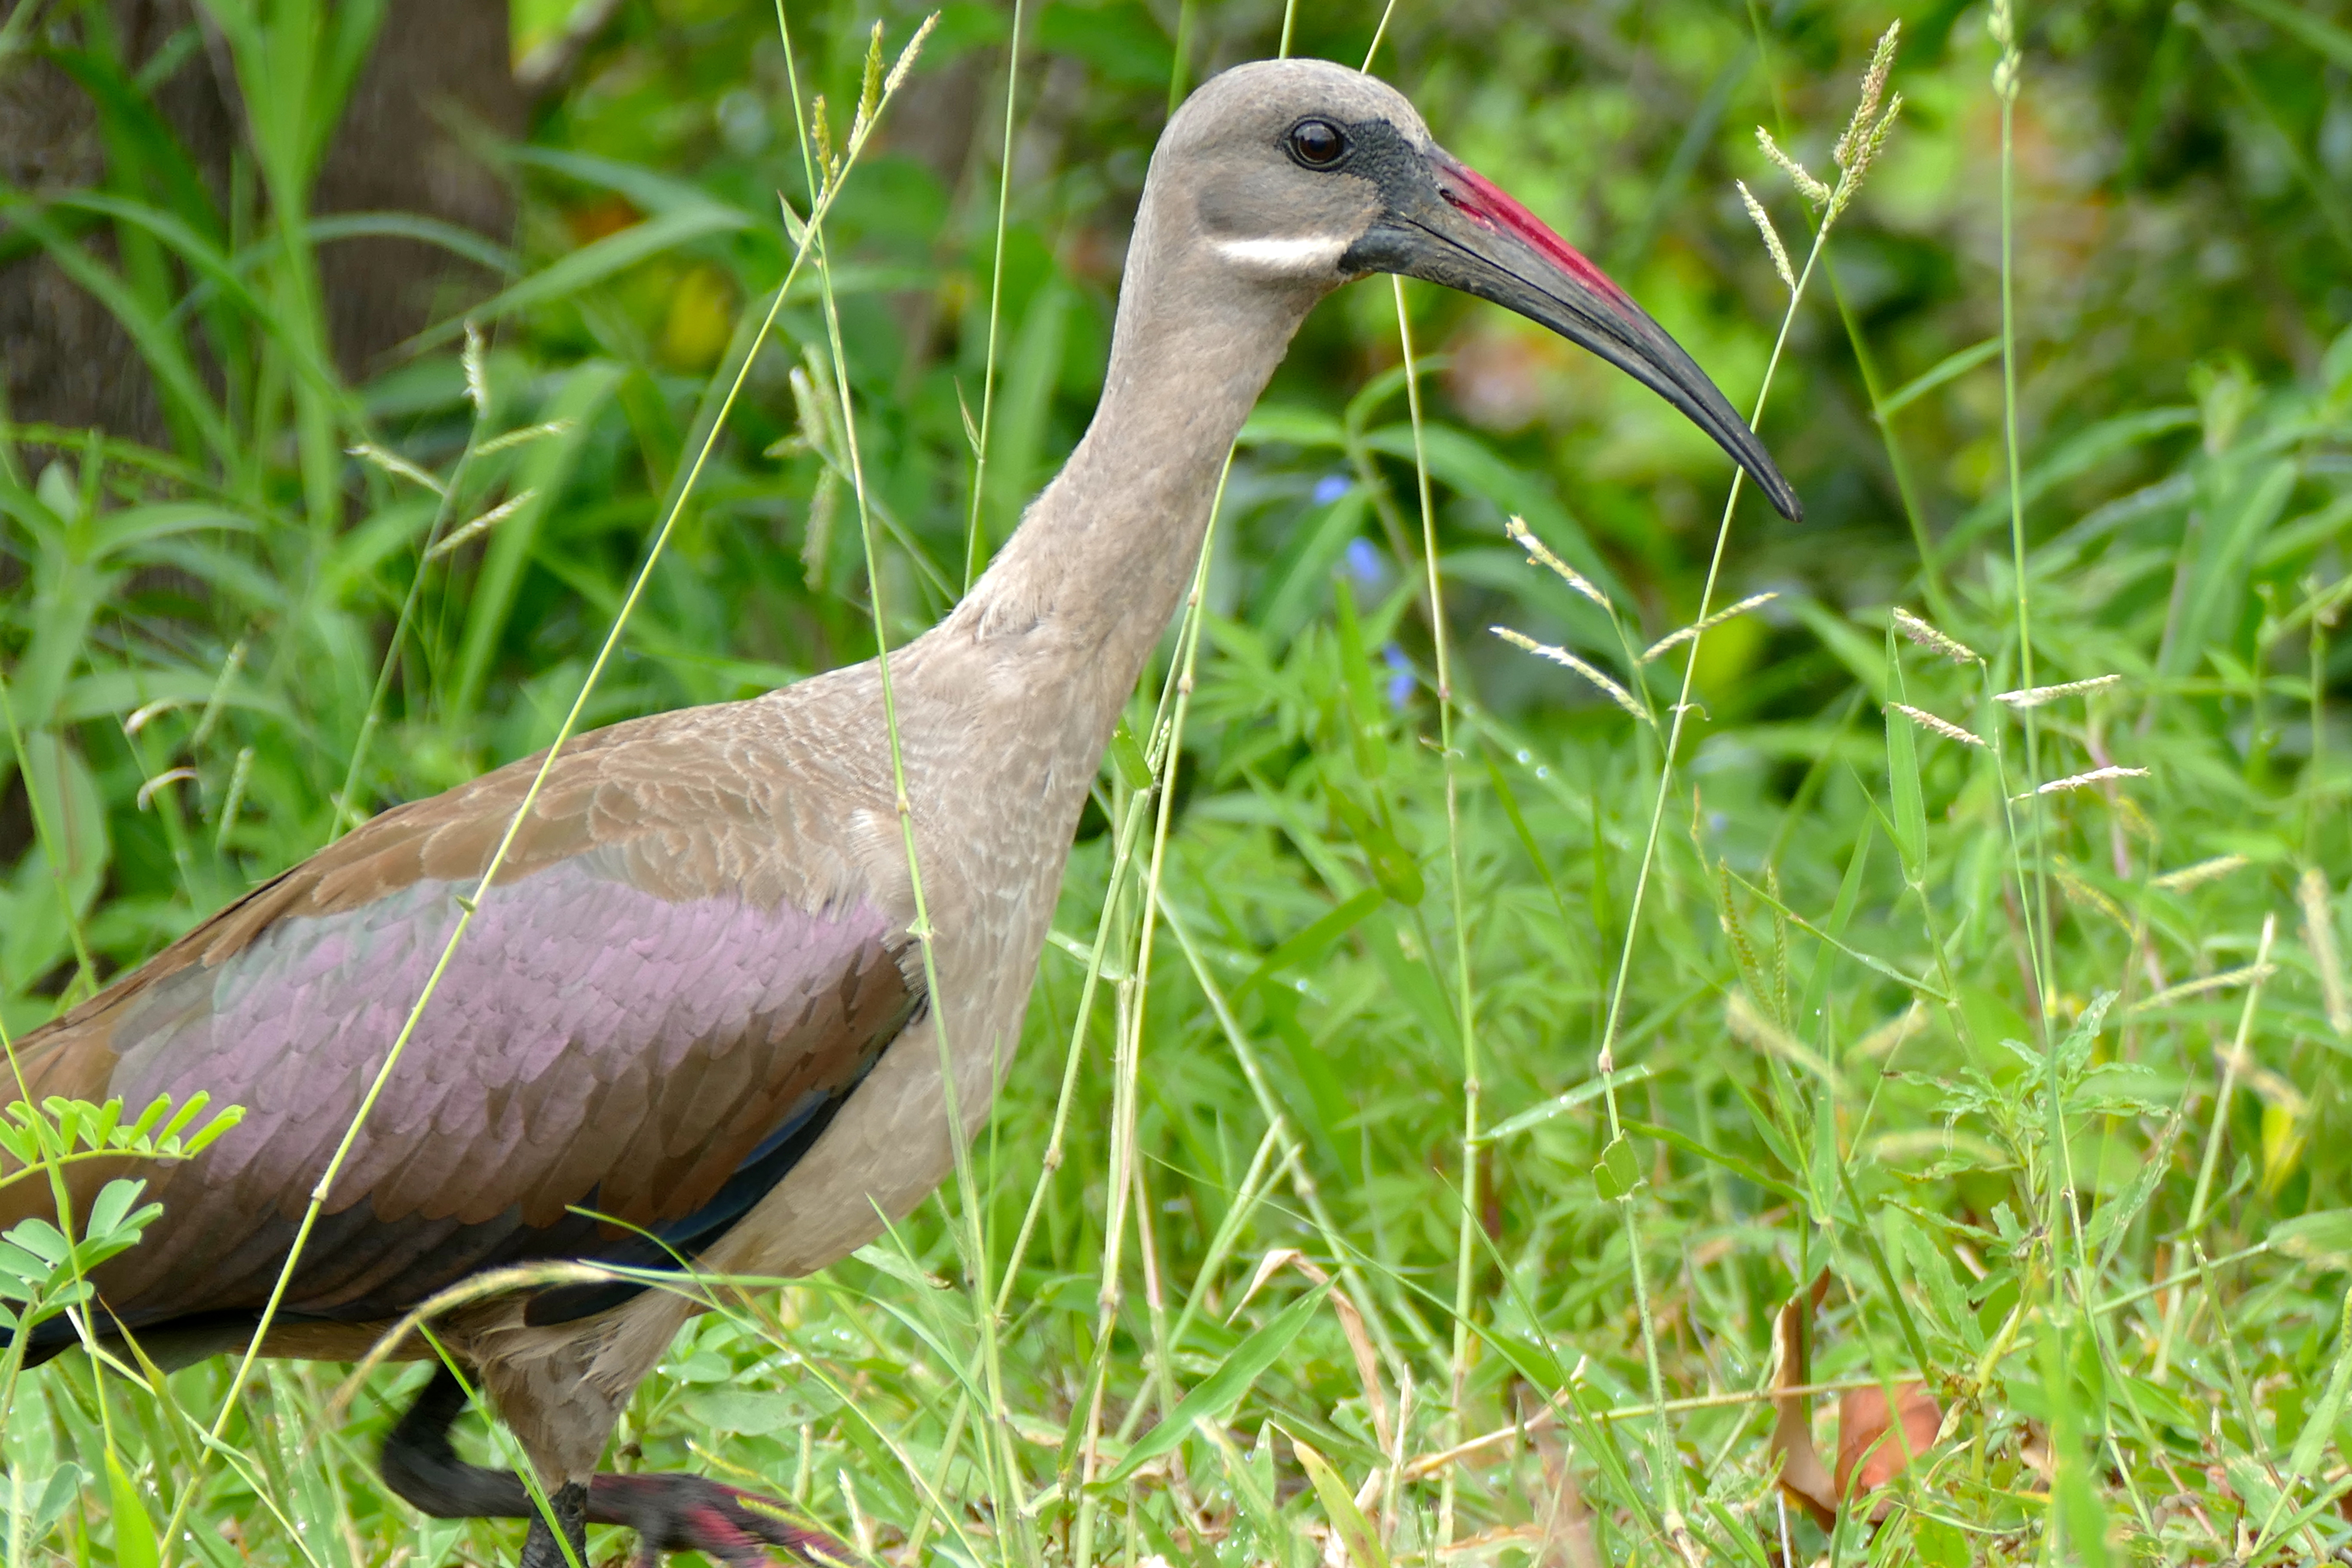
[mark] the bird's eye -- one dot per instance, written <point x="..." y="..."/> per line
<point x="1317" y="144"/>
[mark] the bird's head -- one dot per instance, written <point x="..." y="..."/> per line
<point x="1303" y="174"/>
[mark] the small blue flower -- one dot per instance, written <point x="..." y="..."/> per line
<point x="1401" y="680"/>
<point x="1332" y="487"/>
<point x="1365" y="565"/>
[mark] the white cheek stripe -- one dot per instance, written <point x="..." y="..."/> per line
<point x="1315" y="253"/>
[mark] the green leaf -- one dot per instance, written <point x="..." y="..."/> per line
<point x="2321" y="34"/>
<point x="1293" y="426"/>
<point x="2073" y="457"/>
<point x="230" y="1115"/>
<point x="140" y="1131"/>
<point x="1469" y="466"/>
<point x="1312" y="942"/>
<point x="1234" y="1378"/>
<point x="757" y="1413"/>
<point x="2243" y="501"/>
<point x="1127" y="756"/>
<point x="1862" y="657"/>
<point x="449" y="236"/>
<point x="21" y="1266"/>
<point x="1618" y="1172"/>
<point x="1817" y="984"/>
<point x="110" y="1115"/>
<point x="615" y="253"/>
<point x="1359" y="689"/>
<point x="2311" y="1442"/>
<point x="1356" y="1531"/>
<point x="42" y="1239"/>
<point x="2323" y="1236"/>
<point x="113" y="1203"/>
<point x="138" y="136"/>
<point x="1940" y="1545"/>
<point x="646" y="189"/>
<point x="58" y="1493"/>
<point x="135" y="1542"/>
<point x="184" y="1115"/>
<point x="176" y="377"/>
<point x="1714" y="1155"/>
<point x="1950" y="366"/>
<point x="1392" y="866"/>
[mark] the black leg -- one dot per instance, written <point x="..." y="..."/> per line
<point x="540" y="1549"/>
<point x="421" y="1465"/>
<point x="670" y="1512"/>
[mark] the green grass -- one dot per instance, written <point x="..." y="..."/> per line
<point x="1347" y="1250"/>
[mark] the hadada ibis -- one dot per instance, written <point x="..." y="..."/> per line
<point x="691" y="1002"/>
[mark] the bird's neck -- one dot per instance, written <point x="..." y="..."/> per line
<point x="1087" y="583"/>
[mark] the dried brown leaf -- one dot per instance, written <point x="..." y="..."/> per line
<point x="1803" y="1477"/>
<point x="1351" y="1324"/>
<point x="1871" y="1449"/>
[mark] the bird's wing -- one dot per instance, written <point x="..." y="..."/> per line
<point x="652" y="1014"/>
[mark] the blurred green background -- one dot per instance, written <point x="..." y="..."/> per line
<point x="2180" y="179"/>
<point x="246" y="602"/>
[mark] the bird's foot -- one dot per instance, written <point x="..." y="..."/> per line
<point x="689" y="1513"/>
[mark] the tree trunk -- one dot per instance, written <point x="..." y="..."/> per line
<point x="438" y="75"/>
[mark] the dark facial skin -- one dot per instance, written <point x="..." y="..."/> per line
<point x="1320" y="174"/>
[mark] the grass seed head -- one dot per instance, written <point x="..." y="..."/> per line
<point x="1763" y="221"/>
<point x="1927" y="720"/>
<point x="1697" y="628"/>
<point x="1874" y="91"/>
<point x="2327" y="957"/>
<point x="906" y="61"/>
<point x="478" y="381"/>
<point x="1928" y="637"/>
<point x="2203" y="871"/>
<point x="869" y="91"/>
<point x="1566" y="660"/>
<point x="1864" y="152"/>
<point x="2035" y="695"/>
<point x="1542" y="554"/>
<point x="524" y="436"/>
<point x="481" y="525"/>
<point x="394" y="463"/>
<point x="1866" y="132"/>
<point x="828" y="164"/>
<point x="1799" y="175"/>
<point x="2082" y="781"/>
<point x="2005" y="72"/>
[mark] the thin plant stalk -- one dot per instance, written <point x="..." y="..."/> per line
<point x="976" y="524"/>
<point x="1466" y="1001"/>
<point x="2006" y="72"/>
<point x="467" y="905"/>
<point x="1269" y="1105"/>
<point x="2210" y="1161"/>
<point x="1134" y="993"/>
<point x="1378" y="33"/>
<point x="1663" y="1463"/>
<point x="971" y="1240"/>
<point x="343" y="819"/>
<point x="1130" y="818"/>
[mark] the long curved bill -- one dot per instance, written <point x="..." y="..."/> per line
<point x="1447" y="225"/>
